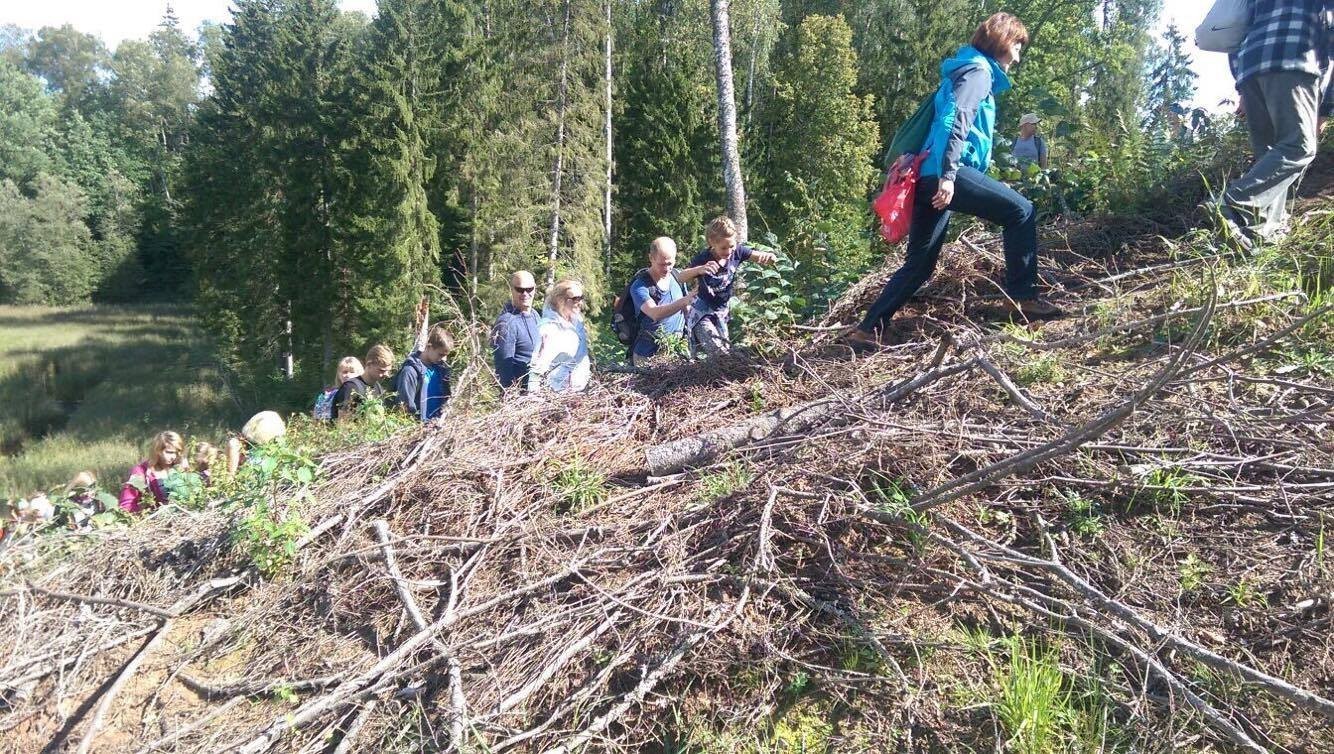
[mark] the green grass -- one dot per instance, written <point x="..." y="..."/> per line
<point x="86" y="388"/>
<point x="1034" y="702"/>
<point x="579" y="485"/>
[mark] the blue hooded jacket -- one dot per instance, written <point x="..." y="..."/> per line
<point x="414" y="389"/>
<point x="965" y="113"/>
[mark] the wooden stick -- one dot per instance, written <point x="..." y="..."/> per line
<point x="797" y="420"/>
<point x="91" y="600"/>
<point x="1084" y="433"/>
<point x="1013" y="391"/>
<point x="99" y="717"/>
<point x="354" y="730"/>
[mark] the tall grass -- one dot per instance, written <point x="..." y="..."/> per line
<point x="85" y="388"/>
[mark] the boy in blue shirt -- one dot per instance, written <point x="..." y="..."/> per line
<point x="709" y="316"/>
<point x="423" y="380"/>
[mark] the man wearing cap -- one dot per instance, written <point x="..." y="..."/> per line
<point x="1030" y="147"/>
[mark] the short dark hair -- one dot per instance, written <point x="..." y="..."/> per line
<point x="440" y="338"/>
<point x="996" y="34"/>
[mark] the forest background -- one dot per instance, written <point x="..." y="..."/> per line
<point x="317" y="167"/>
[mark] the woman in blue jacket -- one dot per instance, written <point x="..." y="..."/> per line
<point x="954" y="180"/>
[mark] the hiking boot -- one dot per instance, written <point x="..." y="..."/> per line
<point x="1228" y="225"/>
<point x="1034" y="308"/>
<point x="860" y="340"/>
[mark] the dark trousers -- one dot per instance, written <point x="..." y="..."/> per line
<point x="974" y="194"/>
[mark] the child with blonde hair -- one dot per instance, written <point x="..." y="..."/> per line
<point x="206" y="454"/>
<point x="348" y="368"/>
<point x="166" y="455"/>
<point x="708" y="319"/>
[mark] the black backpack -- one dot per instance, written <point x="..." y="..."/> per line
<point x="624" y="316"/>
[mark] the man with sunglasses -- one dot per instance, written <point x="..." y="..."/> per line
<point x="514" y="337"/>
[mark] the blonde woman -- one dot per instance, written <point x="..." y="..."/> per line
<point x="167" y="455"/>
<point x="561" y="361"/>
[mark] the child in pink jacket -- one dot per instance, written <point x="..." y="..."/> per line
<point x="167" y="455"/>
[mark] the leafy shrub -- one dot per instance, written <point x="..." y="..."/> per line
<point x="268" y="538"/>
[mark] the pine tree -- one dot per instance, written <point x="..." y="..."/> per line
<point x="537" y="160"/>
<point x="266" y="161"/>
<point x="665" y="156"/>
<point x="1170" y="79"/>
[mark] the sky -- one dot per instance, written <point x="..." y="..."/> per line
<point x="1215" y="79"/>
<point x="117" y="20"/>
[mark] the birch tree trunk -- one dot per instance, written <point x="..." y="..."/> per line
<point x="559" y="168"/>
<point x="734" y="190"/>
<point x="606" y="129"/>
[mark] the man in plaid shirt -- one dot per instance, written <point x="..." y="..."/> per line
<point x="1286" y="82"/>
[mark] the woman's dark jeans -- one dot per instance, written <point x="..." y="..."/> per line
<point x="974" y="194"/>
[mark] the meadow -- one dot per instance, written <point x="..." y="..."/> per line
<point x="85" y="388"/>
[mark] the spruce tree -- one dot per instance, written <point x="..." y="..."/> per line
<point x="665" y="156"/>
<point x="818" y="146"/>
<point x="1170" y="79"/>
<point x="404" y="96"/>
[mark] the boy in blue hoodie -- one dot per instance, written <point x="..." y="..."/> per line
<point x="423" y="380"/>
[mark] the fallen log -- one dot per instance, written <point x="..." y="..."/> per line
<point x="699" y="450"/>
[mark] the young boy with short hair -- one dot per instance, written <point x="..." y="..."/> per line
<point x="423" y="380"/>
<point x="708" y="318"/>
<point x="379" y="362"/>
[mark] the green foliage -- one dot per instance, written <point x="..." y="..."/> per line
<point x="1193" y="571"/>
<point x="814" y="167"/>
<point x="1086" y="517"/>
<point x="1164" y="487"/>
<point x="579" y="485"/>
<point x="1034" y="706"/>
<point x="1170" y="79"/>
<point x="1046" y="369"/>
<point x="27" y="126"/>
<point x="46" y="252"/>
<point x="893" y="495"/>
<point x="268" y="538"/>
<point x="267" y="491"/>
<point x="671" y="345"/>
<point x="771" y="300"/>
<point x="719" y="484"/>
<point x="1245" y="593"/>
<point x="664" y="153"/>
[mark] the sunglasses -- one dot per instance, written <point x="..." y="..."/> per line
<point x="524" y="290"/>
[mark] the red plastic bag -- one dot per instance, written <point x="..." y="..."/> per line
<point x="894" y="203"/>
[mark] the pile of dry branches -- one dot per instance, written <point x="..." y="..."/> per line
<point x="619" y="569"/>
